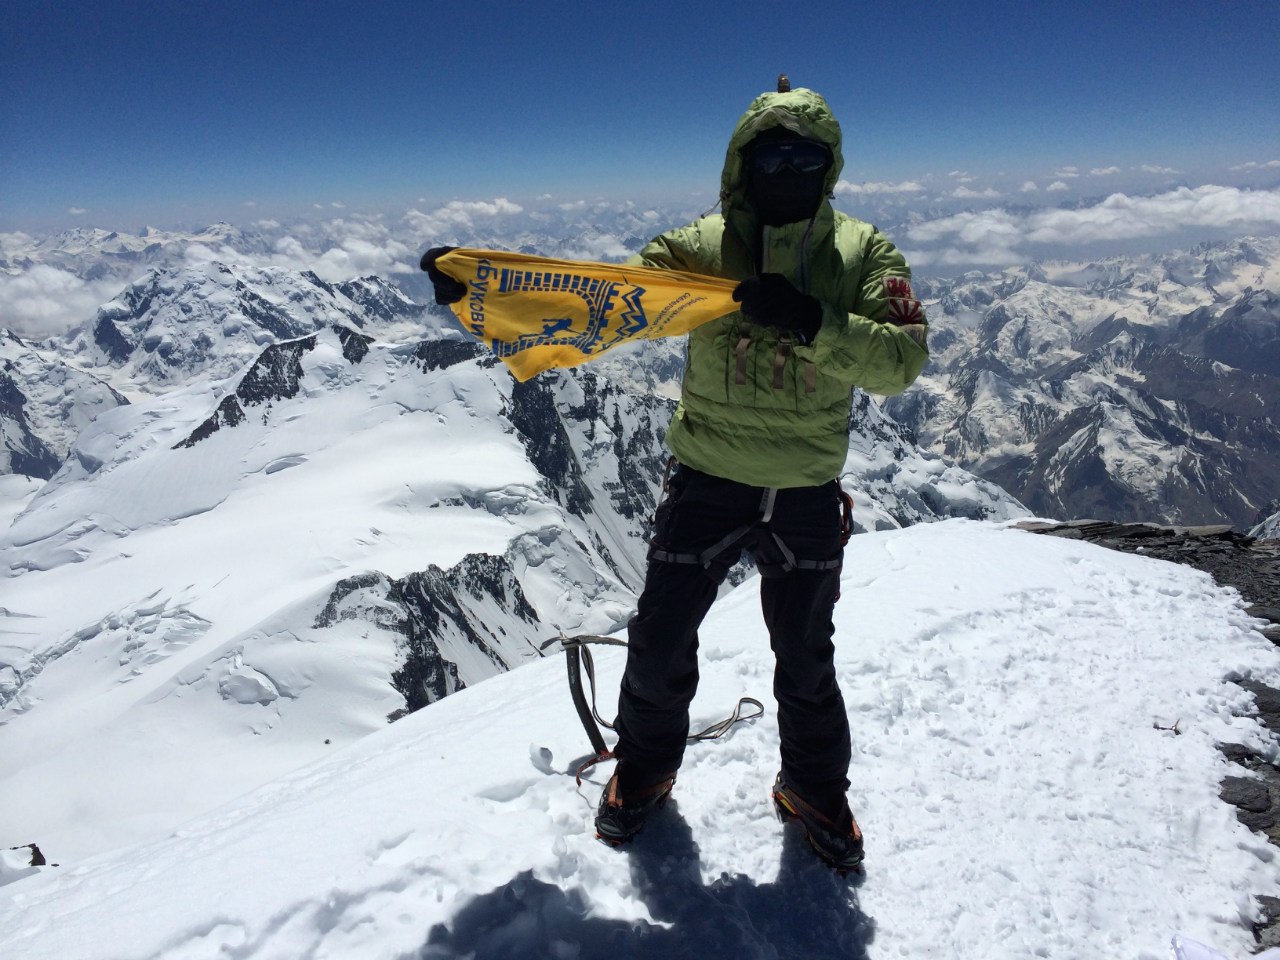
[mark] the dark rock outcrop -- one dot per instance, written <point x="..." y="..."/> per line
<point x="275" y="375"/>
<point x="434" y="610"/>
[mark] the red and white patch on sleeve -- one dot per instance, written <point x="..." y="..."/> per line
<point x="904" y="308"/>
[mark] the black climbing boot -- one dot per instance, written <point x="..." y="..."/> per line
<point x="838" y="842"/>
<point x="619" y="818"/>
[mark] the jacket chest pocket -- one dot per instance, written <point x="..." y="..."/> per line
<point x="742" y="366"/>
<point x="763" y="372"/>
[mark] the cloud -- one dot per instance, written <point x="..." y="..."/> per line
<point x="1067" y="172"/>
<point x="459" y="215"/>
<point x="905" y="186"/>
<point x="958" y="173"/>
<point x="597" y="247"/>
<point x="44" y="301"/>
<point x="982" y="226"/>
<point x="1028" y="186"/>
<point x="1121" y="217"/>
<point x="989" y="237"/>
<point x="334" y="250"/>
<point x="1057" y="186"/>
<point x="965" y="193"/>
<point x="998" y="236"/>
<point x="338" y="206"/>
<point x="1103" y="171"/>
<point x="350" y="248"/>
<point x="76" y="211"/>
<point x="250" y="204"/>
<point x="1255" y="165"/>
<point x="1153" y="168"/>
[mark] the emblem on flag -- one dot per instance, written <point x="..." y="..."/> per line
<point x="537" y="313"/>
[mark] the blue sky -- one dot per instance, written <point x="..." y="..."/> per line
<point x="176" y="112"/>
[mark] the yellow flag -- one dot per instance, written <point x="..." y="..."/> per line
<point x="537" y="313"/>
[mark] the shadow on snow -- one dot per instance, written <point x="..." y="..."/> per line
<point x="809" y="911"/>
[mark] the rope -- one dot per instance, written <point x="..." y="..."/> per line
<point x="579" y="660"/>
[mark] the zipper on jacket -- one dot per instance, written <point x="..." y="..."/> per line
<point x="804" y="255"/>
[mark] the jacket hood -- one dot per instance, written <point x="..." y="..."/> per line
<point x="801" y="111"/>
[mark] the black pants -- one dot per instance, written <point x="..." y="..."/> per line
<point x="662" y="658"/>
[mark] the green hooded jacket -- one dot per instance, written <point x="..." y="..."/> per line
<point x="758" y="406"/>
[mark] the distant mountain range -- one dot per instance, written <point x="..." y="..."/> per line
<point x="1122" y="389"/>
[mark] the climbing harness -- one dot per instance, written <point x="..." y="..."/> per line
<point x="761" y="523"/>
<point x="577" y="656"/>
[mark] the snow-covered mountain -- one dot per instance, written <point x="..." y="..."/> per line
<point x="1268" y="526"/>
<point x="92" y="253"/>
<point x="318" y="515"/>
<point x="1036" y="772"/>
<point x="1119" y="389"/>
<point x="210" y="319"/>
<point x="44" y="404"/>
<point x="347" y="521"/>
<point x="170" y="327"/>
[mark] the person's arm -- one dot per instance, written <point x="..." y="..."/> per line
<point x="674" y="250"/>
<point x="881" y="347"/>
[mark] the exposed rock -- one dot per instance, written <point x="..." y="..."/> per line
<point x="533" y="413"/>
<point x="275" y="375"/>
<point x="442" y="354"/>
<point x="476" y="607"/>
<point x="1267" y="930"/>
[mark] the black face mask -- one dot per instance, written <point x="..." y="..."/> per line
<point x="785" y="180"/>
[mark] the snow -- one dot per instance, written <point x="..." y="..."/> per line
<point x="16" y="491"/>
<point x="1014" y="774"/>
<point x="1268" y="529"/>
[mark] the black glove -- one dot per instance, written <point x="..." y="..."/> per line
<point x="771" y="301"/>
<point x="448" y="290"/>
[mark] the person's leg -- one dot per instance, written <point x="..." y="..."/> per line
<point x="661" y="675"/>
<point x="798" y="606"/>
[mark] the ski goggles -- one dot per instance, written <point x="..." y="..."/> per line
<point x="801" y="156"/>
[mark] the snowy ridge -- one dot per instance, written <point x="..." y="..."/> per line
<point x="91" y="252"/>
<point x="1017" y="789"/>
<point x="1269" y="528"/>
<point x="210" y="318"/>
